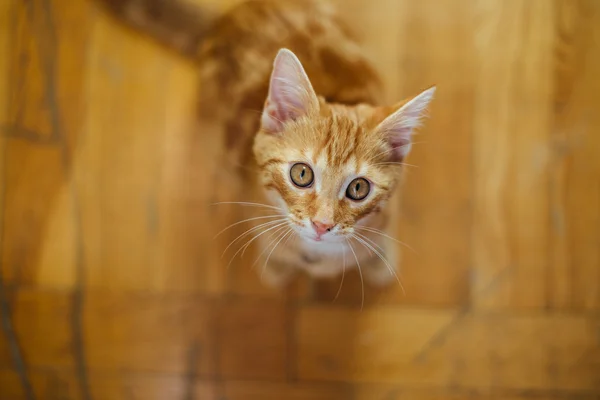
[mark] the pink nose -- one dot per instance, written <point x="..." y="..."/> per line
<point x="321" y="228"/>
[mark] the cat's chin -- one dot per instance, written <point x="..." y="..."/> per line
<point x="322" y="243"/>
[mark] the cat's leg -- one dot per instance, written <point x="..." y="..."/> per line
<point x="379" y="273"/>
<point x="278" y="273"/>
<point x="323" y="270"/>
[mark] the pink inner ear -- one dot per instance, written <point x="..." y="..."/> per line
<point x="272" y="120"/>
<point x="400" y="125"/>
<point x="290" y="93"/>
<point x="401" y="147"/>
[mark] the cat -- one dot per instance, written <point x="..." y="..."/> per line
<point x="326" y="155"/>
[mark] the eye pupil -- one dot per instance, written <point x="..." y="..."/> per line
<point x="301" y="175"/>
<point x="358" y="189"/>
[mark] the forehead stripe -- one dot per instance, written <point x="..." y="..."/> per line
<point x="271" y="161"/>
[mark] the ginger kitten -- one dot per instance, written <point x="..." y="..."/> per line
<point x="328" y="155"/>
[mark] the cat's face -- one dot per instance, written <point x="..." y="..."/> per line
<point x="329" y="167"/>
<point x="328" y="172"/>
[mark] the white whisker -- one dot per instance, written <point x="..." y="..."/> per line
<point x="378" y="232"/>
<point x="263" y="225"/>
<point x="370" y="241"/>
<point x="253" y="239"/>
<point x="343" y="272"/>
<point x="362" y="284"/>
<point x="293" y="235"/>
<point x="277" y="234"/>
<point x="273" y="249"/>
<point x="382" y="258"/>
<point x="247" y="220"/>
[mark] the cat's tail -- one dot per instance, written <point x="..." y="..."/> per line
<point x="177" y="24"/>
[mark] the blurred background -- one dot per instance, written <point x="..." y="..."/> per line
<point x="112" y="286"/>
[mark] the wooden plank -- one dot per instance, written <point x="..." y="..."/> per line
<point x="149" y="333"/>
<point x="119" y="161"/>
<point x="11" y="385"/>
<point x="51" y="383"/>
<point x="42" y="123"/>
<point x="5" y="354"/>
<point x="574" y="277"/>
<point x="68" y="27"/>
<point x="422" y="347"/>
<point x="511" y="150"/>
<point x="333" y="342"/>
<point x="289" y="391"/>
<point x="36" y="311"/>
<point x="38" y="223"/>
<point x="6" y="37"/>
<point x="374" y="25"/>
<point x="145" y="147"/>
<point x="28" y="111"/>
<point x="253" y="339"/>
<point x="62" y="384"/>
<point x="6" y="34"/>
<point x="150" y="387"/>
<point x="434" y="48"/>
<point x="186" y="251"/>
<point x="391" y="392"/>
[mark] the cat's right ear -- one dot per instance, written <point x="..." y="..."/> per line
<point x="398" y="128"/>
<point x="291" y="94"/>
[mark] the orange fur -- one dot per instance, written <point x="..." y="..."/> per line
<point x="320" y="103"/>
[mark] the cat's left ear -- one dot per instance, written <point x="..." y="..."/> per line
<point x="291" y="94"/>
<point x="399" y="126"/>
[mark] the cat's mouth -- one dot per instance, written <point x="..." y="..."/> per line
<point x="311" y="237"/>
<point x="322" y="239"/>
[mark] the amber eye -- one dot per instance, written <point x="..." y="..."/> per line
<point x="301" y="175"/>
<point x="358" y="189"/>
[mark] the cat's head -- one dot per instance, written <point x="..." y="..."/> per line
<point x="329" y="166"/>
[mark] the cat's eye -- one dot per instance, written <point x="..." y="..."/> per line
<point x="358" y="189"/>
<point x="302" y="175"/>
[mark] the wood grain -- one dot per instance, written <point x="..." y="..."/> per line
<point x="522" y="220"/>
<point x="449" y="348"/>
<point x="575" y="274"/>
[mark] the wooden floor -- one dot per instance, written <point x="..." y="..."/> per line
<point x="112" y="286"/>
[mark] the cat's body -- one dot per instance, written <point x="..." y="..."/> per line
<point x="322" y="114"/>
